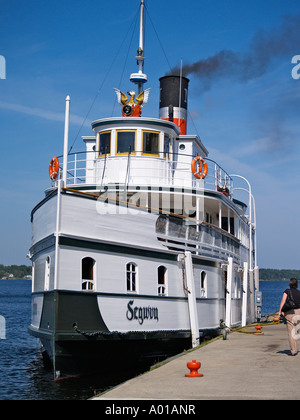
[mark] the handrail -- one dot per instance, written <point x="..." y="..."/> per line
<point x="174" y="169"/>
<point x="143" y="155"/>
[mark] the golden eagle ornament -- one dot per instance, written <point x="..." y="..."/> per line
<point x="132" y="107"/>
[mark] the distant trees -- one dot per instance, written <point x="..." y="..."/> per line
<point x="274" y="274"/>
<point x="18" y="271"/>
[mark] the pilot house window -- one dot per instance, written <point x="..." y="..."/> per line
<point x="104" y="143"/>
<point x="167" y="141"/>
<point x="87" y="273"/>
<point x="150" y="143"/>
<point x="125" y="142"/>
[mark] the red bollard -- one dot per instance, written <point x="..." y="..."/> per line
<point x="258" y="330"/>
<point x="194" y="366"/>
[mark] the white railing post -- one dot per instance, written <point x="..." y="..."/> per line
<point x="250" y="221"/>
<point x="66" y="139"/>
<point x="75" y="168"/>
<point x="192" y="299"/>
<point x="229" y="292"/>
<point x="245" y="294"/>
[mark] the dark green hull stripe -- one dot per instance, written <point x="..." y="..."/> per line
<point x="124" y="249"/>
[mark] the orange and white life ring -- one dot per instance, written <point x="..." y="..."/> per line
<point x="53" y="168"/>
<point x="201" y="172"/>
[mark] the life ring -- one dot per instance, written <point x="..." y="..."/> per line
<point x="201" y="172"/>
<point x="53" y="168"/>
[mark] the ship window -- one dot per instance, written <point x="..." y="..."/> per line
<point x="87" y="273"/>
<point x="131" y="277"/>
<point x="125" y="142"/>
<point x="203" y="284"/>
<point x="237" y="286"/>
<point x="162" y="280"/>
<point x="150" y="143"/>
<point x="167" y="141"/>
<point x="225" y="284"/>
<point x="208" y="218"/>
<point x="104" y="143"/>
<point x="47" y="273"/>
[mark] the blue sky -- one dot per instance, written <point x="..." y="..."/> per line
<point x="246" y="111"/>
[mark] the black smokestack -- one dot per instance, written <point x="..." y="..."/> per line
<point x="264" y="48"/>
<point x="173" y="100"/>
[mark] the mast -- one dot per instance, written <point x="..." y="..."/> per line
<point x="66" y="138"/>
<point x="141" y="43"/>
<point x="140" y="78"/>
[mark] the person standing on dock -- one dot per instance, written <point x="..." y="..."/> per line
<point x="290" y="307"/>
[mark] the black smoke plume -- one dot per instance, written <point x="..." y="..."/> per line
<point x="264" y="48"/>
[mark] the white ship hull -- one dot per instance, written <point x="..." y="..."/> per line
<point x="114" y="236"/>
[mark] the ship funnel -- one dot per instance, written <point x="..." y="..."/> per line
<point x="173" y="100"/>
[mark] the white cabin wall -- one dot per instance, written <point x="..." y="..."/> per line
<point x="183" y="178"/>
<point x="44" y="220"/>
<point x="110" y="272"/>
<point x="236" y="298"/>
<point x="91" y="155"/>
<point x="133" y="169"/>
<point x="211" y="308"/>
<point x="40" y="270"/>
<point x="93" y="219"/>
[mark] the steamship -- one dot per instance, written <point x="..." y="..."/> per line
<point x="139" y="246"/>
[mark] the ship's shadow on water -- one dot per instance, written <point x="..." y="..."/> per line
<point x="43" y="387"/>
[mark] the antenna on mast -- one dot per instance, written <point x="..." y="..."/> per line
<point x="140" y="78"/>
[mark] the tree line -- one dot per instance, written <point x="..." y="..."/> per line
<point x="18" y="271"/>
<point x="275" y="274"/>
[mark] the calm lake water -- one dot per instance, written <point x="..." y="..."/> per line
<point x="272" y="293"/>
<point x="22" y="372"/>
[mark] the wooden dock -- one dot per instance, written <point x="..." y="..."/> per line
<point x="243" y="367"/>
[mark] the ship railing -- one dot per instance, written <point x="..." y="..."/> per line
<point x="140" y="168"/>
<point x="199" y="238"/>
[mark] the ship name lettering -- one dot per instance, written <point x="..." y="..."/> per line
<point x="140" y="313"/>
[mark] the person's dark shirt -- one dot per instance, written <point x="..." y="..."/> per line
<point x="295" y="294"/>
